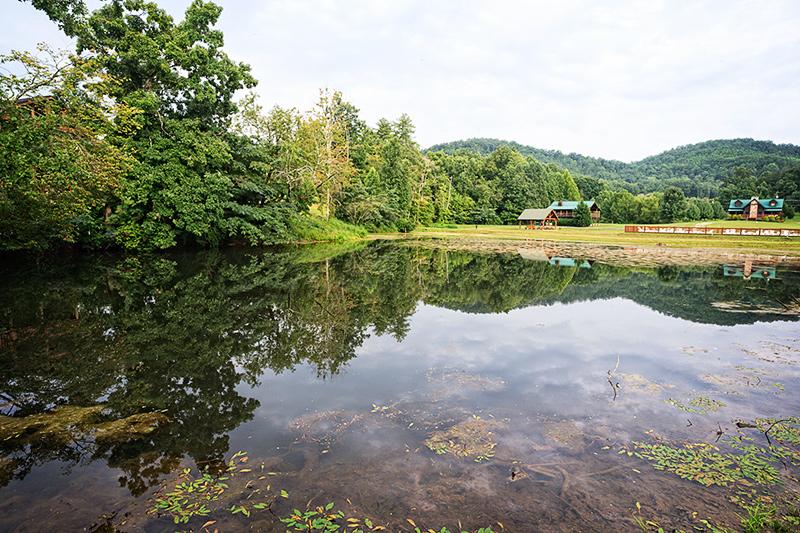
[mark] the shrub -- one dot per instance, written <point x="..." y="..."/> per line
<point x="404" y="225"/>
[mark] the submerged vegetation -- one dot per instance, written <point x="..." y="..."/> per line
<point x="705" y="464"/>
<point x="471" y="438"/>
<point x="699" y="405"/>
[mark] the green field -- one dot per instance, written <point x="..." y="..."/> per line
<point x="615" y="234"/>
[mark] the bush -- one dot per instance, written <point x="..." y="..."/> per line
<point x="444" y="225"/>
<point x="404" y="225"/>
<point x="788" y="210"/>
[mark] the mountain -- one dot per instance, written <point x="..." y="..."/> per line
<point x="695" y="168"/>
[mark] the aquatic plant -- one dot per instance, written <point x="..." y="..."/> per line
<point x="417" y="529"/>
<point x="786" y="431"/>
<point x="328" y="519"/>
<point x="705" y="464"/>
<point x="191" y="497"/>
<point x="699" y="405"/>
<point x="200" y="496"/>
<point x="470" y="438"/>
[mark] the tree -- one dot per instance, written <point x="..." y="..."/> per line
<point x="673" y="205"/>
<point x="58" y="170"/>
<point x="183" y="85"/>
<point x="70" y="15"/>
<point x="583" y="215"/>
<point x="323" y="138"/>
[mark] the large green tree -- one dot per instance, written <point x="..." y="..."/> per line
<point x="59" y="171"/>
<point x="177" y="75"/>
<point x="673" y="205"/>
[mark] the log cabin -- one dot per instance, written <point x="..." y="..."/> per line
<point x="566" y="208"/>
<point x="755" y="208"/>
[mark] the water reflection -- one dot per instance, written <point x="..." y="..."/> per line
<point x="186" y="335"/>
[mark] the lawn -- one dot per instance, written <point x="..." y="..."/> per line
<point x="615" y="234"/>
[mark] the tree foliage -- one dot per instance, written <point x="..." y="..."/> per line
<point x="697" y="169"/>
<point x="144" y="141"/>
<point x="58" y="169"/>
<point x="583" y="216"/>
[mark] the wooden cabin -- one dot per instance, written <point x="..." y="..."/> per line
<point x="755" y="208"/>
<point x="538" y="218"/>
<point x="566" y="208"/>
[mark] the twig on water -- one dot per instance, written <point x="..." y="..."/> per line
<point x="614" y="386"/>
<point x="766" y="432"/>
<point x="720" y="432"/>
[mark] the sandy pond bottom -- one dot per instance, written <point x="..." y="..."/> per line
<point x="583" y="409"/>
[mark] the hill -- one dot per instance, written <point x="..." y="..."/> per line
<point x="696" y="168"/>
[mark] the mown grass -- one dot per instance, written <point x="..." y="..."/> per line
<point x="615" y="234"/>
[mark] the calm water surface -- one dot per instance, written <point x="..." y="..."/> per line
<point x="397" y="381"/>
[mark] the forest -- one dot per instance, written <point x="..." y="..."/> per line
<point x="699" y="170"/>
<point x="148" y="136"/>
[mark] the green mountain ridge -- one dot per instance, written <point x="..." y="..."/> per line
<point x="696" y="168"/>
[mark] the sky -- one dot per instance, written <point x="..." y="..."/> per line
<point x="617" y="79"/>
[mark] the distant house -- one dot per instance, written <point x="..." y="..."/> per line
<point x="566" y="208"/>
<point x="750" y="271"/>
<point x="538" y="218"/>
<point x="755" y="208"/>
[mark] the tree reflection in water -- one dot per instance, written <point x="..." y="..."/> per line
<point x="176" y="334"/>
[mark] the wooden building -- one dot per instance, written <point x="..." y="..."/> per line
<point x="755" y="208"/>
<point x="538" y="218"/>
<point x="566" y="208"/>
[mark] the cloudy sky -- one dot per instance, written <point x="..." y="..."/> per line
<point x="614" y="79"/>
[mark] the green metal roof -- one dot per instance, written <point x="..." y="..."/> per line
<point x="569" y="262"/>
<point x="570" y="205"/>
<point x="769" y="204"/>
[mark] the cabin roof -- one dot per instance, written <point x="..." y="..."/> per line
<point x="536" y="214"/>
<point x="570" y="205"/>
<point x="769" y="204"/>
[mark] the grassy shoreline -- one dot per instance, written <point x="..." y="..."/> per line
<point x="614" y="234"/>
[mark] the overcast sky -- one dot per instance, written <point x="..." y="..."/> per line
<point x="620" y="80"/>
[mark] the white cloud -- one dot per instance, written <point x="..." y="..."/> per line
<point x="621" y="79"/>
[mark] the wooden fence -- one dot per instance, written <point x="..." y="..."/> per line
<point x="703" y="230"/>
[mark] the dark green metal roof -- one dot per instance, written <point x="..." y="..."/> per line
<point x="570" y="205"/>
<point x="769" y="204"/>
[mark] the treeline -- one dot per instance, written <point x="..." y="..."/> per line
<point x="138" y="141"/>
<point x="143" y="139"/>
<point x="697" y="169"/>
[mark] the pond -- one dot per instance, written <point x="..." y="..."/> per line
<point x="408" y="384"/>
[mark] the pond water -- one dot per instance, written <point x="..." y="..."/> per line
<point x="401" y="382"/>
